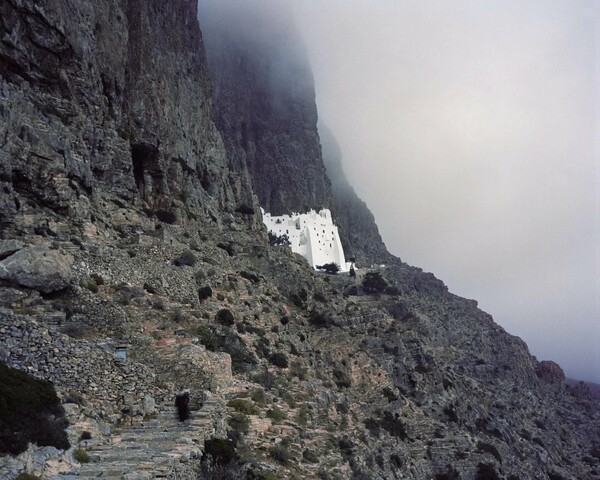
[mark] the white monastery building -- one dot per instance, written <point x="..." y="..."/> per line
<point x="313" y="235"/>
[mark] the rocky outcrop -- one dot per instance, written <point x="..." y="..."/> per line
<point x="265" y="104"/>
<point x="39" y="268"/>
<point x="108" y="98"/>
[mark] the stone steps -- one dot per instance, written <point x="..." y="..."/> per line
<point x="152" y="448"/>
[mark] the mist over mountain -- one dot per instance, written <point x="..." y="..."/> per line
<point x="136" y="146"/>
<point x="264" y="102"/>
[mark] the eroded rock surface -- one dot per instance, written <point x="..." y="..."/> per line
<point x="39" y="268"/>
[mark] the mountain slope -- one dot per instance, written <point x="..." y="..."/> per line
<point x="129" y="226"/>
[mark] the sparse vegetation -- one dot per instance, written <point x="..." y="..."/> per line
<point x="225" y="317"/>
<point x="330" y="268"/>
<point x="373" y="282"/>
<point x="319" y="319"/>
<point x="277" y="414"/>
<point x="205" y="292"/>
<point x="278" y="240"/>
<point x="310" y="456"/>
<point x="279" y="359"/>
<point x="186" y="259"/>
<point x="26" y="476"/>
<point x="30" y="411"/>
<point x="281" y="454"/>
<point x="81" y="456"/>
<point x="243" y="406"/>
<point x="221" y="450"/>
<point x="259" y="397"/>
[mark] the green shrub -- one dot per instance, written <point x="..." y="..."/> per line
<point x="89" y="285"/>
<point x="278" y="240"/>
<point x="373" y="282"/>
<point x="26" y="476"/>
<point x="206" y="336"/>
<point x="259" y="397"/>
<point x="351" y="291"/>
<point x="81" y="456"/>
<point x="319" y="319"/>
<point x="289" y="399"/>
<point x="30" y="411"/>
<point x="486" y="471"/>
<point x="279" y="360"/>
<point x="250" y="276"/>
<point x="389" y="394"/>
<point x="266" y="379"/>
<point x="302" y="417"/>
<point x="221" y="450"/>
<point x="330" y="268"/>
<point x="225" y="317"/>
<point x="298" y="370"/>
<point x="239" y="423"/>
<point x="222" y="339"/>
<point x="177" y="315"/>
<point x="228" y="247"/>
<point x="242" y="406"/>
<point x="186" y="259"/>
<point x="205" y="292"/>
<point x="310" y="456"/>
<point x="277" y="414"/>
<point x="281" y="454"/>
<point x="341" y="378"/>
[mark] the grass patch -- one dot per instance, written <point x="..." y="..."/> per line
<point x="243" y="406"/>
<point x="81" y="456"/>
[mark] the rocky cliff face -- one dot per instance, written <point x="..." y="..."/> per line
<point x="108" y="98"/>
<point x="265" y="104"/>
<point x="126" y="221"/>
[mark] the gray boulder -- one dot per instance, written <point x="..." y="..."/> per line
<point x="8" y="247"/>
<point x="39" y="268"/>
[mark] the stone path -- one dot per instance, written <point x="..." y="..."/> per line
<point x="151" y="449"/>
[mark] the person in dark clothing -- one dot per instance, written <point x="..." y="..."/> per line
<point x="182" y="402"/>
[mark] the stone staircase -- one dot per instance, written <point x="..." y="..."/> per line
<point x="154" y="448"/>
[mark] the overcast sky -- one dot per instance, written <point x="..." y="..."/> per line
<point x="470" y="128"/>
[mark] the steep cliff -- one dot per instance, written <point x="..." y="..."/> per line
<point x="113" y="98"/>
<point x="265" y="103"/>
<point x="127" y="225"/>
